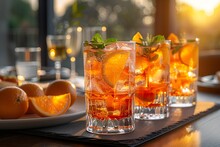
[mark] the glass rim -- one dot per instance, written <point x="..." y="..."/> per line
<point x="130" y="42"/>
<point x="166" y="40"/>
<point x="117" y="41"/>
<point x="30" y="49"/>
<point x="193" y="40"/>
<point x="187" y="41"/>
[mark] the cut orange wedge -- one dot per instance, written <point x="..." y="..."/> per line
<point x="50" y="105"/>
<point x="137" y="38"/>
<point x="114" y="65"/>
<point x="173" y="38"/>
<point x="189" y="55"/>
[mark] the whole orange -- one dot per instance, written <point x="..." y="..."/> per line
<point x="13" y="102"/>
<point x="32" y="90"/>
<point x="60" y="87"/>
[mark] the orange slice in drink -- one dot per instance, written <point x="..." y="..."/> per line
<point x="50" y="105"/>
<point x="173" y="38"/>
<point x="189" y="54"/>
<point x="137" y="38"/>
<point x="113" y="66"/>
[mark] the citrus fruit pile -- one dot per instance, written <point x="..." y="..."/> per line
<point x="15" y="102"/>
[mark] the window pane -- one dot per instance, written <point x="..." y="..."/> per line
<point x="200" y="19"/>
<point x="121" y="21"/>
<point x="18" y="27"/>
<point x="122" y="18"/>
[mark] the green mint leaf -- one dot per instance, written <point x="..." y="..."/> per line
<point x="110" y="40"/>
<point x="158" y="38"/>
<point x="97" y="38"/>
<point x="175" y="47"/>
<point x="99" y="44"/>
<point x="175" y="50"/>
<point x="152" y="40"/>
<point x="149" y="46"/>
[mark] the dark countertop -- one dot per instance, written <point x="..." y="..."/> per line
<point x="202" y="132"/>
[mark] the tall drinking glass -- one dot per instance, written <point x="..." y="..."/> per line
<point x="109" y="88"/>
<point x="57" y="45"/>
<point x="184" y="73"/>
<point x="152" y="81"/>
<point x="75" y="33"/>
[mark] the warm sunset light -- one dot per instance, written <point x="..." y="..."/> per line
<point x="190" y="138"/>
<point x="207" y="6"/>
<point x="60" y="6"/>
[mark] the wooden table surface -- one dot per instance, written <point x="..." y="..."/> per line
<point x="200" y="133"/>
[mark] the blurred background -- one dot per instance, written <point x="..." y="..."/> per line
<point x="27" y="22"/>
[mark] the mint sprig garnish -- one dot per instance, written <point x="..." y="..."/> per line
<point x="175" y="47"/>
<point x="150" y="46"/>
<point x="98" y="43"/>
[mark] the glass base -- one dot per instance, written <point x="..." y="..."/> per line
<point x="153" y="113"/>
<point x="110" y="127"/>
<point x="182" y="101"/>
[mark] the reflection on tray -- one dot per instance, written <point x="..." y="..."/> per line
<point x="209" y="81"/>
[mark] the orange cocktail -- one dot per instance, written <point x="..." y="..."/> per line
<point x="109" y="86"/>
<point x="183" y="71"/>
<point x="151" y="77"/>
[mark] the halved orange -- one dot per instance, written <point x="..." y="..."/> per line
<point x="114" y="65"/>
<point x="189" y="55"/>
<point x="32" y="90"/>
<point x="137" y="38"/>
<point x="59" y="87"/>
<point x="50" y="105"/>
<point x="173" y="38"/>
